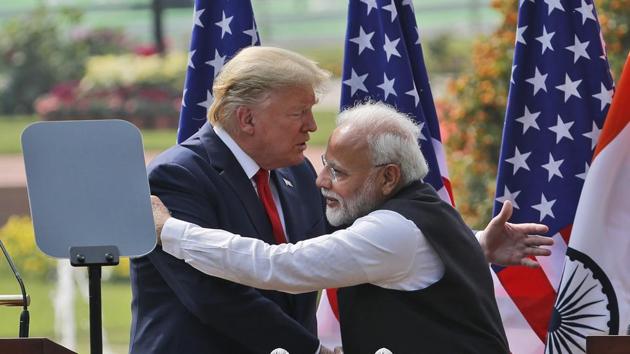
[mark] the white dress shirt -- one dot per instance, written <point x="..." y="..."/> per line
<point x="382" y="248"/>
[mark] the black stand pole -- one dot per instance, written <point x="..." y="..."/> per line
<point x="94" y="257"/>
<point x="96" y="333"/>
<point x="24" y="316"/>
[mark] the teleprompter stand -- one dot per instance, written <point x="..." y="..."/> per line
<point x="89" y="198"/>
<point x="94" y="258"/>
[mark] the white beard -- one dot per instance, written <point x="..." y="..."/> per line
<point x="350" y="209"/>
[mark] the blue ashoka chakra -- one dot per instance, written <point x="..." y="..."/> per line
<point x="586" y="305"/>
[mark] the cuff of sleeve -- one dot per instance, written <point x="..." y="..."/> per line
<point x="172" y="234"/>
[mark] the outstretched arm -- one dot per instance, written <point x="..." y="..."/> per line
<point x="344" y="258"/>
<point x="505" y="243"/>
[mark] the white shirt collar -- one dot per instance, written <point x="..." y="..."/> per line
<point x="247" y="163"/>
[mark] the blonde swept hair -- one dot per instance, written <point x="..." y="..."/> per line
<point x="253" y="73"/>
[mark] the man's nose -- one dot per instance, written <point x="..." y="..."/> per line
<point x="309" y="122"/>
<point x="324" y="179"/>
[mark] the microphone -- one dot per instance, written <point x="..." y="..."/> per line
<point x="24" y="316"/>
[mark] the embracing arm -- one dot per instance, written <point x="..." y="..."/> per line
<point x="365" y="252"/>
<point x="230" y="308"/>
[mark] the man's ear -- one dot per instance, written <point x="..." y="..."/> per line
<point x="244" y="120"/>
<point x="391" y="178"/>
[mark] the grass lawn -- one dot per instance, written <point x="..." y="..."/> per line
<point x="11" y="129"/>
<point x="116" y="305"/>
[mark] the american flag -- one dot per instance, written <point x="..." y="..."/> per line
<point x="220" y="29"/>
<point x="560" y="91"/>
<point x="383" y="61"/>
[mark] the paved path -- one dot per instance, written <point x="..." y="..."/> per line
<point x="12" y="168"/>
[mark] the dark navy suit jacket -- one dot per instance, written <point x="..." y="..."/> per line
<point x="177" y="309"/>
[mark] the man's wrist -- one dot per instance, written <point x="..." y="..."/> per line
<point x="481" y="238"/>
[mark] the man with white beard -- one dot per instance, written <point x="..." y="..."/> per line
<point x="411" y="274"/>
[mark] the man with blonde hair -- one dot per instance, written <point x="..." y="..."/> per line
<point x="411" y="274"/>
<point x="261" y="119"/>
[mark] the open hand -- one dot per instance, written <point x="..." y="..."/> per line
<point x="506" y="244"/>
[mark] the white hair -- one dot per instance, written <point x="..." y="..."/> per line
<point x="391" y="135"/>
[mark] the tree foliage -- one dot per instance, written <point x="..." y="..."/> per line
<point x="45" y="47"/>
<point x="35" y="54"/>
<point x="614" y="18"/>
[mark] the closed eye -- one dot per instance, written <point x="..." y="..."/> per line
<point x="338" y="173"/>
<point x="299" y="113"/>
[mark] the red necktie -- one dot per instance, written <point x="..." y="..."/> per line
<point x="264" y="192"/>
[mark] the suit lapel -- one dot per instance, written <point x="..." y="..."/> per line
<point x="232" y="173"/>
<point x="290" y="199"/>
